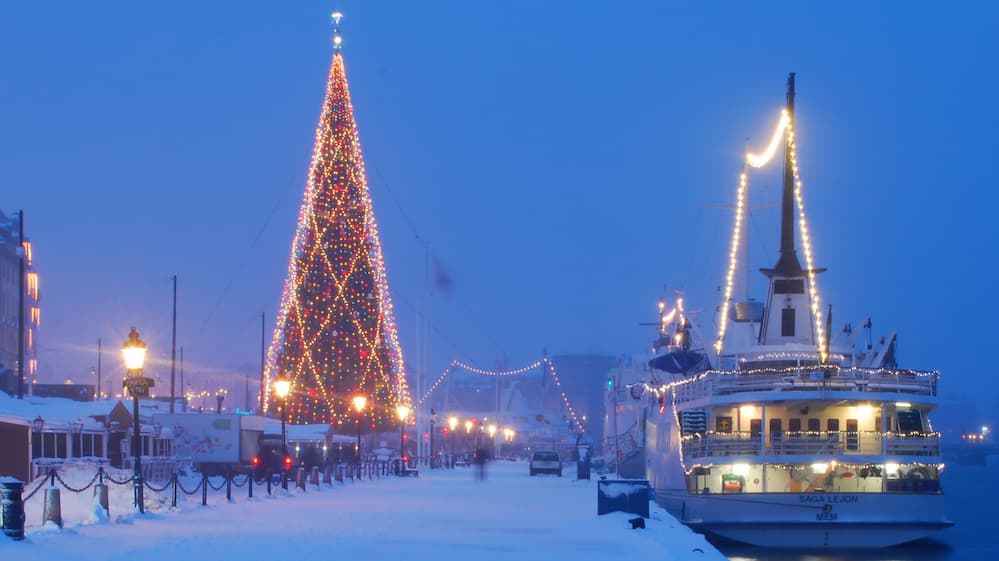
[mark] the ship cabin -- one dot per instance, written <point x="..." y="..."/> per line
<point x="785" y="423"/>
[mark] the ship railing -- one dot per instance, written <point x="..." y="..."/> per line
<point x="722" y="444"/>
<point x="719" y="382"/>
<point x="912" y="444"/>
<point x="803" y="443"/>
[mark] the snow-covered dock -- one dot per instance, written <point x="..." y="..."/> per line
<point x="443" y="515"/>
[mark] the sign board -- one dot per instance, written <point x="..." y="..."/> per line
<point x="212" y="438"/>
<point x="138" y="386"/>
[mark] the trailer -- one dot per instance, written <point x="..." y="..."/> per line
<point x="216" y="443"/>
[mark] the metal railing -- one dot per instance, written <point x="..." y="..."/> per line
<point x="810" y="443"/>
<point x="719" y="382"/>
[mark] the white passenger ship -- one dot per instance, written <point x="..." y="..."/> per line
<point x="793" y="438"/>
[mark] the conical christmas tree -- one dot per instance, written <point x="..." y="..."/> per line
<point x="335" y="336"/>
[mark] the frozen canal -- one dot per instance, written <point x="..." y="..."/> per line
<point x="443" y="515"/>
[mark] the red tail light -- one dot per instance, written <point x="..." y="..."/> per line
<point x="287" y="463"/>
<point x="256" y="461"/>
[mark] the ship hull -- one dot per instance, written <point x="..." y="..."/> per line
<point x="832" y="520"/>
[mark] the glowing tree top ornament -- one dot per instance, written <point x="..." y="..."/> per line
<point x="335" y="335"/>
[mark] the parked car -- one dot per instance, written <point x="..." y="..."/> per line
<point x="546" y="461"/>
<point x="269" y="460"/>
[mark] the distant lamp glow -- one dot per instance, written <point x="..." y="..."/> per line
<point x="134" y="352"/>
<point x="891" y="468"/>
<point x="740" y="469"/>
<point x="452" y="422"/>
<point x="337" y="16"/>
<point x="985" y="429"/>
<point x="819" y="468"/>
<point x="747" y="410"/>
<point x="492" y="431"/>
<point x="468" y="426"/>
<point x="902" y="404"/>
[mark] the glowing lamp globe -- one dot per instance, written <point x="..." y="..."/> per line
<point x="452" y="422"/>
<point x="281" y="387"/>
<point x="403" y="412"/>
<point x="359" y="402"/>
<point x="133" y="351"/>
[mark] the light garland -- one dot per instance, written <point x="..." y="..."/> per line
<point x="813" y="289"/>
<point x="335" y="335"/>
<point x="548" y="364"/>
<point x="762" y="159"/>
<point x="733" y="255"/>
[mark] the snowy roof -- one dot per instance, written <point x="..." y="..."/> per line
<point x="58" y="413"/>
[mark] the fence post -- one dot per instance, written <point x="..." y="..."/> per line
<point x="228" y="486"/>
<point x="315" y="476"/>
<point x="204" y="490"/>
<point x="249" y="482"/>
<point x="52" y="511"/>
<point x="12" y="507"/>
<point x="300" y="478"/>
<point x="327" y="476"/>
<point x="101" y="491"/>
<point x="173" y="503"/>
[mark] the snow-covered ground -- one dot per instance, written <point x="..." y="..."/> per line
<point x="444" y="515"/>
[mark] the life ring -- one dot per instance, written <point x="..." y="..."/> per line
<point x="918" y="473"/>
<point x="636" y="391"/>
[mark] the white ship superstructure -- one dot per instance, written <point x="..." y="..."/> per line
<point x="797" y="438"/>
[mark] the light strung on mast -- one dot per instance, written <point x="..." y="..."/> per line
<point x="733" y="255"/>
<point x="763" y="158"/>
<point x="806" y="243"/>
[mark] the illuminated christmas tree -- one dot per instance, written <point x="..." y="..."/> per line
<point x="335" y="336"/>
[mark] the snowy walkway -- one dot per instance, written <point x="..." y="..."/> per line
<point x="442" y="516"/>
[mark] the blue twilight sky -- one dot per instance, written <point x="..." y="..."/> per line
<point x="559" y="158"/>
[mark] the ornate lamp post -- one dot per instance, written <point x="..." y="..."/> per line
<point x="452" y="422"/>
<point x="282" y="386"/>
<point x="134" y="354"/>
<point x="403" y="412"/>
<point x="359" y="402"/>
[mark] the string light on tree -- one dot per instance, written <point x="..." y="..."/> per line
<point x="335" y="335"/>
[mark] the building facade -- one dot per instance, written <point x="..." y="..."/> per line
<point x="10" y="267"/>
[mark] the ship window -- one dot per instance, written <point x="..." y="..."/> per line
<point x="852" y="438"/>
<point x="723" y="424"/>
<point x="794" y="425"/>
<point x="756" y="427"/>
<point x="814" y="425"/>
<point x="832" y="425"/>
<point x="775" y="426"/>
<point x="789" y="286"/>
<point x="787" y="322"/>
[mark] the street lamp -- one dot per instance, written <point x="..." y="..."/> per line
<point x="134" y="354"/>
<point x="452" y="422"/>
<point x="433" y="419"/>
<point x="37" y="424"/>
<point x="359" y="402"/>
<point x="492" y="437"/>
<point x="403" y="412"/>
<point x="282" y="386"/>
<point x="78" y="431"/>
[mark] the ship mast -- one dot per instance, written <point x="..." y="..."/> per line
<point x="787" y="263"/>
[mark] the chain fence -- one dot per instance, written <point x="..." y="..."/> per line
<point x="173" y="487"/>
